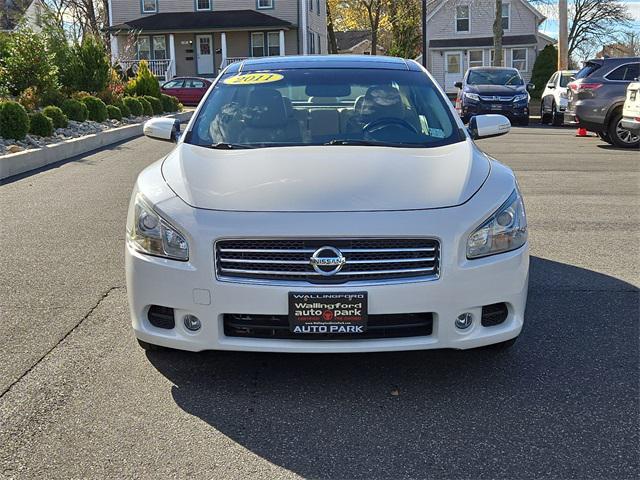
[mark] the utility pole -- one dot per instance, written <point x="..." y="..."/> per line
<point x="425" y="46"/>
<point x="563" y="57"/>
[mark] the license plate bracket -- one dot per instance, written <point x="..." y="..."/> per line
<point x="328" y="313"/>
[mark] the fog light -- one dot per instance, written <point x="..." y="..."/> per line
<point x="464" y="321"/>
<point x="192" y="323"/>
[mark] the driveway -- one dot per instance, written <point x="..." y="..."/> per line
<point x="78" y="398"/>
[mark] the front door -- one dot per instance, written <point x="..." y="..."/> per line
<point x="204" y="54"/>
<point x="452" y="70"/>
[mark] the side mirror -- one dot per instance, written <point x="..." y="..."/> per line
<point x="167" y="129"/>
<point x="530" y="87"/>
<point x="458" y="84"/>
<point x="485" y="126"/>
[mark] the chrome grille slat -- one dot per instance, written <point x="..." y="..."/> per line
<point x="368" y="260"/>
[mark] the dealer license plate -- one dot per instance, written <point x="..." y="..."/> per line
<point x="328" y="313"/>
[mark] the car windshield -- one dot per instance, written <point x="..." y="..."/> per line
<point x="494" y="77"/>
<point x="324" y="107"/>
<point x="565" y="79"/>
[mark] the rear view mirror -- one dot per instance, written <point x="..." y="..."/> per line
<point x="167" y="129"/>
<point x="485" y="126"/>
<point x="458" y="85"/>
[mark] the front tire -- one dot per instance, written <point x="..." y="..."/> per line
<point x="621" y="137"/>
<point x="605" y="136"/>
<point x="556" y="117"/>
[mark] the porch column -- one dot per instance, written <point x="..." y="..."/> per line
<point x="114" y="49"/>
<point x="223" y="48"/>
<point x="172" y="56"/>
<point x="282" y="52"/>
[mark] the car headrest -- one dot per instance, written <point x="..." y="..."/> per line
<point x="266" y="108"/>
<point x="382" y="100"/>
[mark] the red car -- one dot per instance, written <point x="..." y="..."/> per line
<point x="189" y="90"/>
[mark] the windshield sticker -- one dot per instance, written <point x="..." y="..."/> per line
<point x="254" y="79"/>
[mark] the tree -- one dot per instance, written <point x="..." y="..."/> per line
<point x="498" y="33"/>
<point x="90" y="65"/>
<point x="333" y="43"/>
<point x="368" y="15"/>
<point x="545" y="66"/>
<point x="405" y="20"/>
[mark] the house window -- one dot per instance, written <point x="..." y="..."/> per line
<point x="312" y="43"/>
<point x="311" y="5"/>
<point x="144" y="48"/>
<point x="476" y="58"/>
<point x="504" y="54"/>
<point x="203" y="4"/>
<point x="506" y="10"/>
<point x="319" y="44"/>
<point x="273" y="44"/>
<point x="519" y="59"/>
<point x="149" y="6"/>
<point x="265" y="4"/>
<point x="318" y="7"/>
<point x="462" y="18"/>
<point x="159" y="47"/>
<point x="257" y="44"/>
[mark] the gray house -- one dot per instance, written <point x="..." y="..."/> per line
<point x="200" y="37"/>
<point x="460" y="35"/>
<point x="20" y="12"/>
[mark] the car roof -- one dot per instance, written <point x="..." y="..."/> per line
<point x="324" y="61"/>
<point x="493" y="68"/>
<point x="187" y="77"/>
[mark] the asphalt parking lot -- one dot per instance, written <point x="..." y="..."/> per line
<point x="79" y="399"/>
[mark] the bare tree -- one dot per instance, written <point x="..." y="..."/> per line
<point x="498" y="33"/>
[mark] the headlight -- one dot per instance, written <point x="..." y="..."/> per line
<point x="472" y="96"/>
<point x="521" y="98"/>
<point x="505" y="230"/>
<point x="153" y="235"/>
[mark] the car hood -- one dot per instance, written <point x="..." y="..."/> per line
<point x="326" y="178"/>
<point x="497" y="89"/>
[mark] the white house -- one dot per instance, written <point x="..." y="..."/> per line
<point x="460" y="35"/>
<point x="20" y="12"/>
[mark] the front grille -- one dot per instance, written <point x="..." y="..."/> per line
<point x="369" y="260"/>
<point x="379" y="326"/>
<point x="496" y="99"/>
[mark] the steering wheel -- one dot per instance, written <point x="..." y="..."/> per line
<point x="381" y="123"/>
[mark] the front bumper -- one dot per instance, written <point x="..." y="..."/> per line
<point x="509" y="110"/>
<point x="464" y="285"/>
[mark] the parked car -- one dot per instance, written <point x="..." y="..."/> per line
<point x="372" y="222"/>
<point x="494" y="90"/>
<point x="553" y="102"/>
<point x="188" y="90"/>
<point x="631" y="110"/>
<point x="597" y="95"/>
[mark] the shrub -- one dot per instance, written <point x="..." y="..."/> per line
<point x="145" y="83"/>
<point x="29" y="98"/>
<point x="114" y="113"/>
<point x="124" y="110"/>
<point x="156" y="104"/>
<point x="545" y="66"/>
<point x="134" y="106"/>
<point x="81" y="95"/>
<point x="14" y="121"/>
<point x="75" y="110"/>
<point x="41" y="125"/>
<point x="28" y="63"/>
<point x="146" y="106"/>
<point x="169" y="103"/>
<point x="57" y="116"/>
<point x="89" y="66"/>
<point x="52" y="96"/>
<point x="97" y="109"/>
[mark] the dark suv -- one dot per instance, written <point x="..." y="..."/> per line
<point x="597" y="95"/>
<point x="494" y="90"/>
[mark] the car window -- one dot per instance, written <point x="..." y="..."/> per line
<point x="494" y="77"/>
<point x="552" y="80"/>
<point x="193" y="83"/>
<point x="588" y="69"/>
<point x="565" y="79"/>
<point x="626" y="72"/>
<point x="174" y="84"/>
<point x="320" y="106"/>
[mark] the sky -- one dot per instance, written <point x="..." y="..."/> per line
<point x="550" y="26"/>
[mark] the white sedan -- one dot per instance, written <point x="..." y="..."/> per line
<point x="326" y="204"/>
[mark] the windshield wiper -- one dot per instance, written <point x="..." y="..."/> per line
<point x="374" y="143"/>
<point x="229" y="146"/>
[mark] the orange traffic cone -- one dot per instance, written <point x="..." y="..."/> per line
<point x="582" y="132"/>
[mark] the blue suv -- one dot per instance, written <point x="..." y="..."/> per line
<point x="494" y="90"/>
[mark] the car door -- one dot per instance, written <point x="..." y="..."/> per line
<point x="173" y="88"/>
<point x="547" y="95"/>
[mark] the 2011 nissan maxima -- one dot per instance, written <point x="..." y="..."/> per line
<point x="326" y="204"/>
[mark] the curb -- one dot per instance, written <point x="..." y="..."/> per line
<point x="21" y="162"/>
